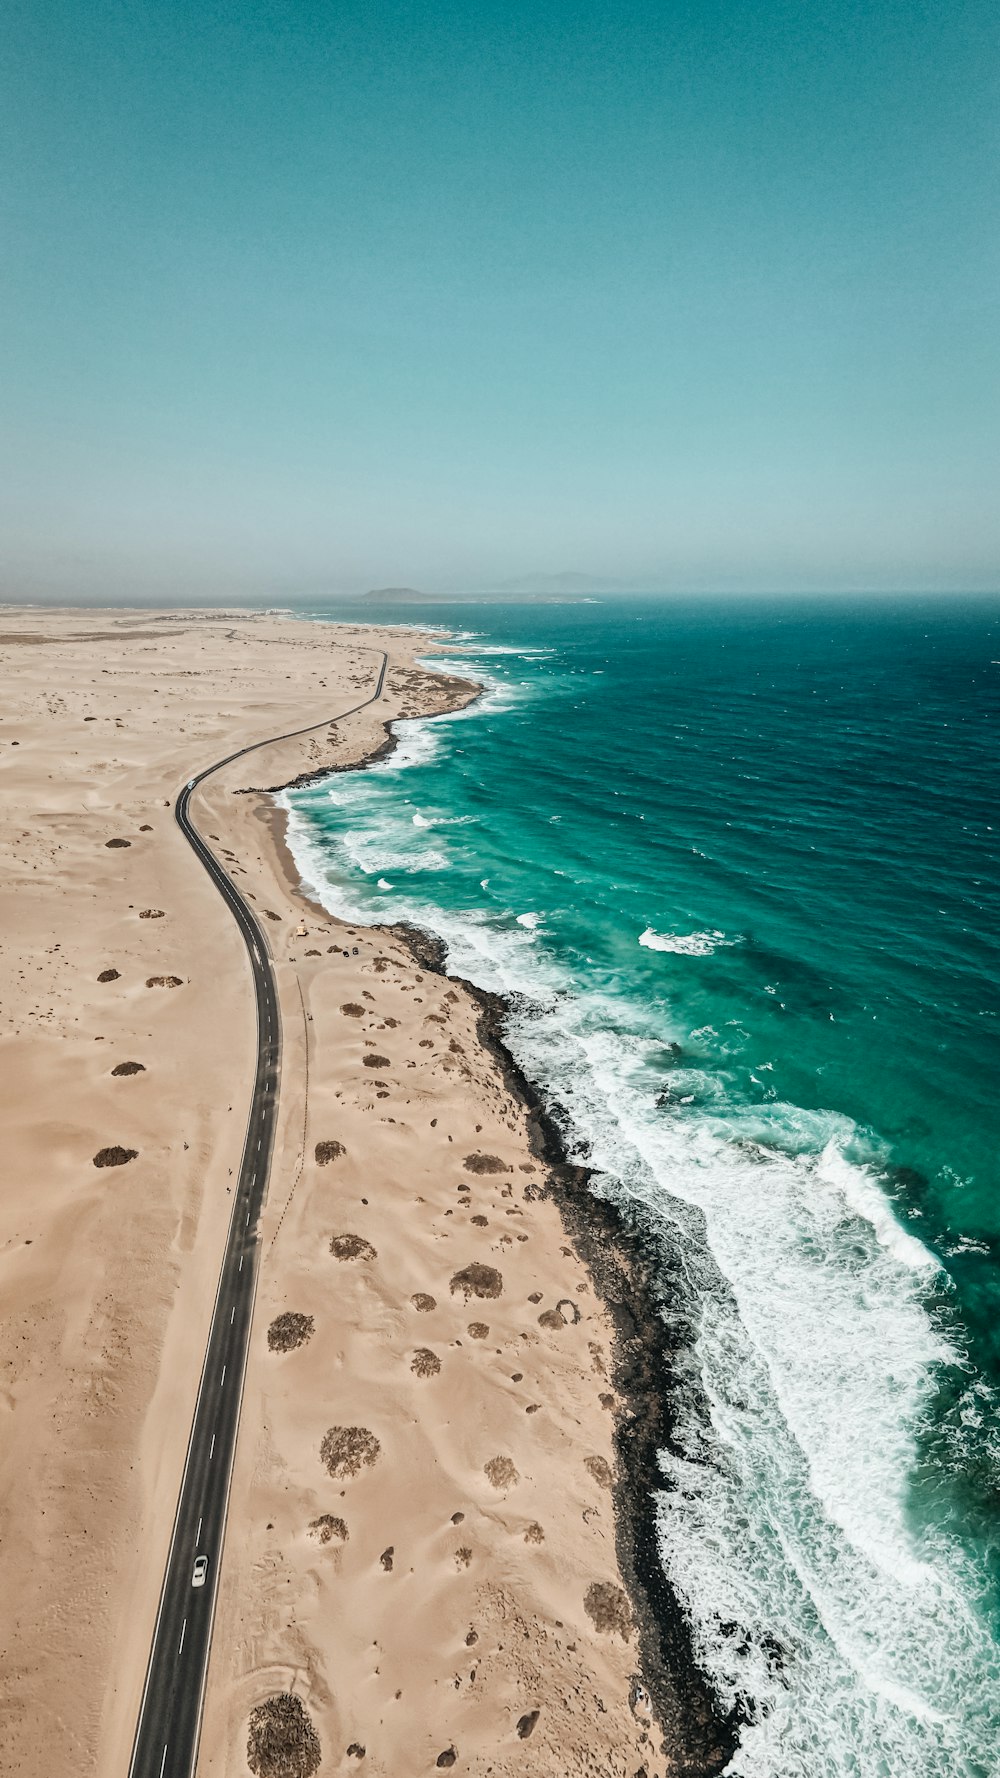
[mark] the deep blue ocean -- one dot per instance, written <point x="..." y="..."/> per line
<point x="737" y="863"/>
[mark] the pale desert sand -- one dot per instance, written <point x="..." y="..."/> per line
<point x="439" y="1587"/>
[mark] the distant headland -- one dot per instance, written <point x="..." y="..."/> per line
<point x="533" y="589"/>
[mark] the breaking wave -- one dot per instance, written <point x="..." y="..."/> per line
<point x="853" y="1638"/>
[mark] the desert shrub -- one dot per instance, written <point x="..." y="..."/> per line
<point x="116" y="1156"/>
<point x="551" y="1318"/>
<point x="164" y="981"/>
<point x="329" y="1151"/>
<point x="500" y="1472"/>
<point x="376" y="1062"/>
<point x="479" y="1330"/>
<point x="327" y="1527"/>
<point x="346" y="1450"/>
<point x="352" y="1247"/>
<point x="533" y="1533"/>
<point x="485" y="1163"/>
<point x="289" y="1330"/>
<point x="425" y="1363"/>
<point x="607" y="1608"/>
<point x="116" y="845"/>
<point x="109" y="975"/>
<point x="281" y="1740"/>
<point x="151" y="913"/>
<point x="130" y="1068"/>
<point x="423" y="1303"/>
<point x="352" y="1010"/>
<point x="477" y="1280"/>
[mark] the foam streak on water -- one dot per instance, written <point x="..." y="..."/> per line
<point x="855" y="1642"/>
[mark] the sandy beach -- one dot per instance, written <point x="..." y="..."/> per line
<point x="421" y="1547"/>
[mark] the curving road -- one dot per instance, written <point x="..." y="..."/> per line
<point x="167" y="1733"/>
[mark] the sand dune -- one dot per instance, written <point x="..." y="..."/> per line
<point x="421" y="1543"/>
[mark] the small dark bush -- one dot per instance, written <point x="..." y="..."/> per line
<point x="281" y="1740"/>
<point x="327" y="1527"/>
<point x="352" y="1247"/>
<point x="329" y="1151"/>
<point x="485" y="1163"/>
<point x="607" y="1608"/>
<point x="346" y="1450"/>
<point x="289" y="1330"/>
<point x="478" y="1280"/>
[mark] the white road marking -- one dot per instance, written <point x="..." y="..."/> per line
<point x="232" y="1315"/>
<point x="223" y="1377"/>
<point x="211" y="1448"/>
<point x="241" y="1262"/>
<point x="164" y="1759"/>
<point x="248" y="1218"/>
<point x="197" y="1535"/>
<point x="180" y="1644"/>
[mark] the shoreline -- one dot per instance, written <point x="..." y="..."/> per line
<point x="614" y="1247"/>
<point x="108" y="1276"/>
<point x="615" y="1251"/>
<point x="557" y="1641"/>
<point x="385" y="748"/>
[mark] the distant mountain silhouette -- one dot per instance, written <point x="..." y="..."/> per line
<point x="534" y="589"/>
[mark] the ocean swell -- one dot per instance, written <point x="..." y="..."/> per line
<point x="851" y="1643"/>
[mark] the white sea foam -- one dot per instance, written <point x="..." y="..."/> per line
<point x="785" y="1511"/>
<point x="474" y="648"/>
<point x="376" y="852"/>
<point x="531" y="921"/>
<point x="420" y="820"/>
<point x="688" y="944"/>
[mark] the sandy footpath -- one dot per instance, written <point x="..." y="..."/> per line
<point x="420" y="1560"/>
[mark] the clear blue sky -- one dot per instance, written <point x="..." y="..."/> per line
<point x="696" y="293"/>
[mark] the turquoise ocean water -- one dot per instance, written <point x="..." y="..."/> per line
<point x="736" y="864"/>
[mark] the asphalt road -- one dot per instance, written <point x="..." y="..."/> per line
<point x="169" y="1725"/>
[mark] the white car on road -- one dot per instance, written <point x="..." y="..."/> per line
<point x="200" y="1571"/>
